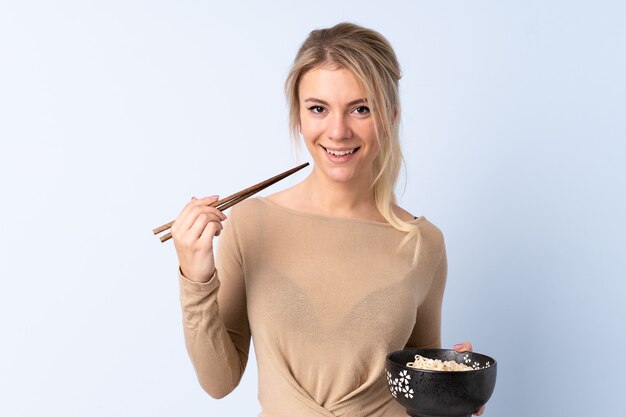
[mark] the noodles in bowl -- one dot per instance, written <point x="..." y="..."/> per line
<point x="437" y="364"/>
<point x="428" y="364"/>
<point x="427" y="382"/>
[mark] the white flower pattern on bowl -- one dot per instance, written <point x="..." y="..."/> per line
<point x="400" y="385"/>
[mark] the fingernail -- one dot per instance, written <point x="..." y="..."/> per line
<point x="215" y="197"/>
<point x="193" y="198"/>
<point x="458" y="346"/>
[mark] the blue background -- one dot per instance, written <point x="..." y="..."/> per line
<point x="113" y="114"/>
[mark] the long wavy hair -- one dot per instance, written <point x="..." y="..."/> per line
<point x="370" y="57"/>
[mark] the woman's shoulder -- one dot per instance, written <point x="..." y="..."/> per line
<point x="430" y="231"/>
<point x="256" y="212"/>
<point x="429" y="227"/>
<point x="432" y="242"/>
<point x="431" y="236"/>
<point x="287" y="198"/>
<point x="247" y="209"/>
<point x="426" y="226"/>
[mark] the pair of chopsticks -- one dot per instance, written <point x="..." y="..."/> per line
<point x="233" y="199"/>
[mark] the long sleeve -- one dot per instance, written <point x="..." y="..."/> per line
<point x="215" y="322"/>
<point x="427" y="331"/>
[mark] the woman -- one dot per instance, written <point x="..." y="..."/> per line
<point x="327" y="276"/>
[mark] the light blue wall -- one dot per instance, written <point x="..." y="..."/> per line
<point x="113" y="114"/>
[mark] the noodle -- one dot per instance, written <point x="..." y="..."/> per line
<point x="437" y="365"/>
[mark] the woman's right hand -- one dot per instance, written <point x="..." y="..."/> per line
<point x="193" y="233"/>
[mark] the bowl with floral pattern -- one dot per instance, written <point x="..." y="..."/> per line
<point x="437" y="392"/>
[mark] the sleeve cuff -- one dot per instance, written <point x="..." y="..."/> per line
<point x="198" y="287"/>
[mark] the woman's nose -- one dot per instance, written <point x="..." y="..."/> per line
<point x="338" y="128"/>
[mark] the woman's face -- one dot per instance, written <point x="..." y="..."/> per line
<point x="337" y="125"/>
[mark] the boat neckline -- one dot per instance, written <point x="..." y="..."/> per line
<point x="416" y="220"/>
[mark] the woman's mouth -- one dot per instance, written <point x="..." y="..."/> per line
<point x="341" y="152"/>
<point x="340" y="155"/>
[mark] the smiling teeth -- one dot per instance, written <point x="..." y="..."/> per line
<point x="339" y="153"/>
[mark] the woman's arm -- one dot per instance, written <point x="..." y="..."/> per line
<point x="215" y="321"/>
<point x="427" y="330"/>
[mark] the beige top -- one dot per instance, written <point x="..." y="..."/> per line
<point x="324" y="299"/>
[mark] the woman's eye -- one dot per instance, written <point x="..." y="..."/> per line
<point x="362" y="110"/>
<point x="316" y="109"/>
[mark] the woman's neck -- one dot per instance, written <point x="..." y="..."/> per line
<point x="354" y="199"/>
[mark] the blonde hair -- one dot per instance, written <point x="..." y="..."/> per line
<point x="370" y="57"/>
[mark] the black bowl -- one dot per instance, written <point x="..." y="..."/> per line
<point x="427" y="393"/>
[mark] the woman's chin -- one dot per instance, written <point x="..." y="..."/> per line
<point x="340" y="175"/>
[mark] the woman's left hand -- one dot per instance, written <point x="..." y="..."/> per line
<point x="467" y="347"/>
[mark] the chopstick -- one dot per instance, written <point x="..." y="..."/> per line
<point x="233" y="199"/>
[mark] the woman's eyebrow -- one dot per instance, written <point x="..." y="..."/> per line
<point x="320" y="101"/>
<point x="315" y="100"/>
